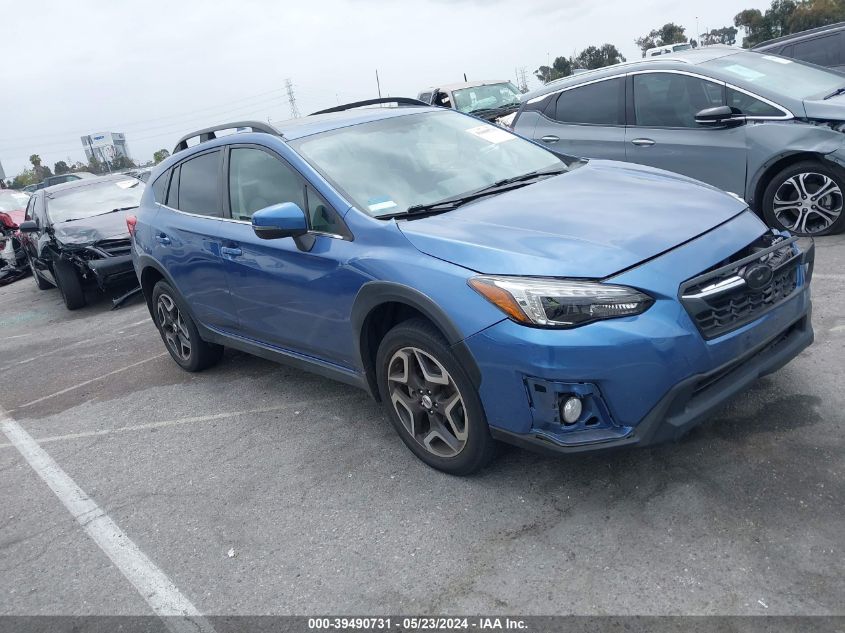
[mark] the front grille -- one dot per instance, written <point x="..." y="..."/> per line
<point x="114" y="248"/>
<point x="729" y="296"/>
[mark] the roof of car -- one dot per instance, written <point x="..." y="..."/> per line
<point x="671" y="61"/>
<point x="794" y="37"/>
<point x="84" y="182"/>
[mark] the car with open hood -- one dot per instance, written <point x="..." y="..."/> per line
<point x="489" y="99"/>
<point x="480" y="286"/>
<point x="769" y="129"/>
<point x="75" y="235"/>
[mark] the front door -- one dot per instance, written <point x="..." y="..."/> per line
<point x="662" y="131"/>
<point x="291" y="294"/>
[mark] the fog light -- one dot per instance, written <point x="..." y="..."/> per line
<point x="571" y="410"/>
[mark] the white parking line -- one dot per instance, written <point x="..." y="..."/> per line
<point x="88" y="382"/>
<point x="165" y="423"/>
<point x="153" y="584"/>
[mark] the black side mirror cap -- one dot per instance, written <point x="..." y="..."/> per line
<point x="719" y="115"/>
<point x="28" y="226"/>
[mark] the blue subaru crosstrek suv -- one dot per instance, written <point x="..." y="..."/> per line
<point x="480" y="286"/>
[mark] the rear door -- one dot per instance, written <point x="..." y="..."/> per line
<point x="291" y="294"/>
<point x="186" y="239"/>
<point x="37" y="242"/>
<point x="662" y="131"/>
<point x="586" y="120"/>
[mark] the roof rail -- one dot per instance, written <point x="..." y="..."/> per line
<point x="208" y="134"/>
<point x="799" y="34"/>
<point x="400" y="101"/>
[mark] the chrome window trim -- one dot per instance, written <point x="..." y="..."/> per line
<point x="214" y="217"/>
<point x="586" y="83"/>
<point x="787" y="114"/>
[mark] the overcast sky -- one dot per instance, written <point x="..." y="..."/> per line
<point x="156" y="70"/>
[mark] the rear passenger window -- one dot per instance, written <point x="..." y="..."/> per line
<point x="160" y="187"/>
<point x="597" y="104"/>
<point x="823" y="51"/>
<point x="258" y="179"/>
<point x="749" y="105"/>
<point x="199" y="190"/>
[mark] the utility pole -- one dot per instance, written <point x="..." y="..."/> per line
<point x="522" y="79"/>
<point x="294" y="111"/>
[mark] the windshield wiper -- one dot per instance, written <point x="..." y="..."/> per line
<point x="97" y="215"/>
<point x="450" y="204"/>
<point x="835" y="93"/>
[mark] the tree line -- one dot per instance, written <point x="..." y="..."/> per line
<point x="783" y="17"/>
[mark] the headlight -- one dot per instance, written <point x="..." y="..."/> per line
<point x="559" y="302"/>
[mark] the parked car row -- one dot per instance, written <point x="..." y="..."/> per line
<point x="478" y="284"/>
<point x="13" y="262"/>
<point x="485" y="283"/>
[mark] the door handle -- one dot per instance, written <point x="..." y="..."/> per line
<point x="643" y="142"/>
<point x="162" y="239"/>
<point x="231" y="252"/>
<point x="549" y="138"/>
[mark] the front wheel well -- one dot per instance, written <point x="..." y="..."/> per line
<point x="772" y="169"/>
<point x="378" y="322"/>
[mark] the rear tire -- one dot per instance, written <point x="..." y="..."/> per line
<point x="69" y="284"/>
<point x="430" y="400"/>
<point x="179" y="332"/>
<point x="791" y="201"/>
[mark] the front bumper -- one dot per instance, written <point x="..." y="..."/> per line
<point x="110" y="271"/>
<point x="690" y="401"/>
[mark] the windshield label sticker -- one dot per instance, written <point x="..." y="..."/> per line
<point x="380" y="204"/>
<point x="745" y="73"/>
<point x="779" y="60"/>
<point x="491" y="134"/>
<point x="126" y="184"/>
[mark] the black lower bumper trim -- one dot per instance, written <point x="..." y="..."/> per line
<point x="111" y="270"/>
<point x="689" y="402"/>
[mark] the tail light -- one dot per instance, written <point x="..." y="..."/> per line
<point x="131" y="221"/>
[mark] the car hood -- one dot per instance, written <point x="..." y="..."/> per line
<point x="832" y="109"/>
<point x="593" y="221"/>
<point x="89" y="231"/>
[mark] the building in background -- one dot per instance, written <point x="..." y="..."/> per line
<point x="105" y="146"/>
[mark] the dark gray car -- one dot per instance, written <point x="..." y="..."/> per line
<point x="766" y="128"/>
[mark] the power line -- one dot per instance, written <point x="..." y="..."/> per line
<point x="294" y="111"/>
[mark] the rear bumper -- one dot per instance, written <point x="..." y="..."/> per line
<point x="690" y="401"/>
<point x="112" y="270"/>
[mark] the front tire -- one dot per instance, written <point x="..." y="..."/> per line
<point x="806" y="199"/>
<point x="179" y="332"/>
<point x="431" y="401"/>
<point x="68" y="283"/>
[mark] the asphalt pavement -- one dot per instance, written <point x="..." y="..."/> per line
<point x="259" y="489"/>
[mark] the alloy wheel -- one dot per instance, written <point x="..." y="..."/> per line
<point x="808" y="203"/>
<point x="173" y="327"/>
<point x="427" y="401"/>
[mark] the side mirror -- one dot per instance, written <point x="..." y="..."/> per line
<point x="720" y="115"/>
<point x="279" y="220"/>
<point x="29" y="226"/>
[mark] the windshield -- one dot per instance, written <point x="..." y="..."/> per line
<point x="91" y="200"/>
<point x="680" y="47"/>
<point x="386" y="166"/>
<point x="13" y="200"/>
<point x="485" y="97"/>
<point x="777" y="74"/>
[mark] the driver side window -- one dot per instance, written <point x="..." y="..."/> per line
<point x="258" y="180"/>
<point x="672" y="100"/>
